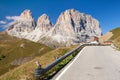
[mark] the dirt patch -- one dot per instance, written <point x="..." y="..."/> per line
<point x="21" y="61"/>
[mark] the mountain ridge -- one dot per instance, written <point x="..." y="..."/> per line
<point x="72" y="27"/>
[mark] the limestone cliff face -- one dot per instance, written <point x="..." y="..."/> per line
<point x="44" y="23"/>
<point x="74" y="22"/>
<point x="71" y="28"/>
<point x="26" y="14"/>
<point x="43" y="26"/>
<point x="23" y="25"/>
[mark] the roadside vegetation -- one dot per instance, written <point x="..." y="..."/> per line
<point x="26" y="70"/>
<point x="15" y="52"/>
<point x="59" y="66"/>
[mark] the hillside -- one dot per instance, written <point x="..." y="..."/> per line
<point x="116" y="33"/>
<point x="15" y="52"/>
<point x="116" y="37"/>
<point x="25" y="71"/>
<point x="113" y="35"/>
<point x="105" y="37"/>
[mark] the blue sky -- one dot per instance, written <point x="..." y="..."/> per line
<point x="106" y="11"/>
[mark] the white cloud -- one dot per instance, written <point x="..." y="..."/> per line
<point x="5" y="26"/>
<point x="10" y="21"/>
<point x="3" y="22"/>
<point x="16" y="18"/>
<point x="9" y="24"/>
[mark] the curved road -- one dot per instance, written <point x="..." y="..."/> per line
<point x="93" y="63"/>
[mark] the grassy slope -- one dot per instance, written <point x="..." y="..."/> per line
<point x="25" y="72"/>
<point x="11" y="48"/>
<point x="116" y="33"/>
<point x="116" y="37"/>
<point x="105" y="37"/>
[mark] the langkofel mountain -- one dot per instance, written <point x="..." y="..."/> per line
<point x="72" y="27"/>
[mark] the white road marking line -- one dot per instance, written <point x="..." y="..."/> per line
<point x="69" y="65"/>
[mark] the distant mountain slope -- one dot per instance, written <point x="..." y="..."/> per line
<point x="15" y="51"/>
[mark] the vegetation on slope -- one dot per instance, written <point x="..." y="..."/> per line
<point x="116" y="37"/>
<point x="105" y="37"/>
<point x="117" y="43"/>
<point x="25" y="71"/>
<point x="116" y="33"/>
<point x="15" y="52"/>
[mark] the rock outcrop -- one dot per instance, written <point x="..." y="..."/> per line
<point x="74" y="22"/>
<point x="43" y="26"/>
<point x="44" y="23"/>
<point x="23" y="25"/>
<point x="72" y="27"/>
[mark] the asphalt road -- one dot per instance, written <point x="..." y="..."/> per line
<point x="93" y="63"/>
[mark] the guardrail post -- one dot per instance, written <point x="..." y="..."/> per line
<point x="38" y="71"/>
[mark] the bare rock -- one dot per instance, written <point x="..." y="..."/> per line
<point x="73" y="27"/>
<point x="44" y="23"/>
<point x="23" y="25"/>
<point x="43" y="26"/>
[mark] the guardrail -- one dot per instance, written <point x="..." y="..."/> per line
<point x="39" y="72"/>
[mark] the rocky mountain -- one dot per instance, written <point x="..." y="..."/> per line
<point x="23" y="25"/>
<point x="71" y="27"/>
<point x="44" y="23"/>
<point x="42" y="27"/>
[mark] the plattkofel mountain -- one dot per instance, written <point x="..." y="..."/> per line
<point x="72" y="27"/>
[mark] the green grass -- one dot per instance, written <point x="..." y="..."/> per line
<point x="58" y="67"/>
<point x="25" y="71"/>
<point x="116" y="33"/>
<point x="12" y="49"/>
<point x="116" y="37"/>
<point x="117" y="43"/>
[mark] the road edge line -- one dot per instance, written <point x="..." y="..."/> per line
<point x="69" y="65"/>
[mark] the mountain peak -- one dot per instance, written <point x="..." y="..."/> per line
<point x="43" y="19"/>
<point x="71" y="10"/>
<point x="45" y="15"/>
<point x="25" y="24"/>
<point x="26" y="14"/>
<point x="44" y="23"/>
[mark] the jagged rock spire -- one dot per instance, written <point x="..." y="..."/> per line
<point x="44" y="23"/>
